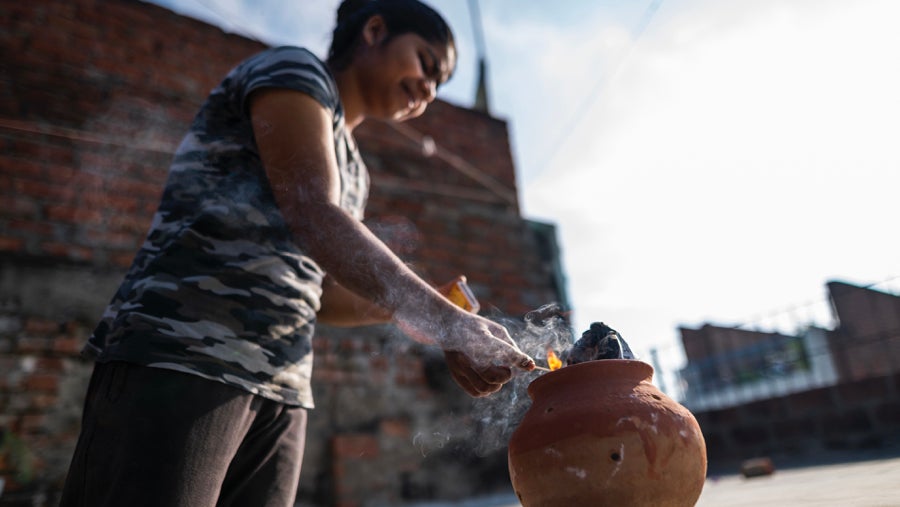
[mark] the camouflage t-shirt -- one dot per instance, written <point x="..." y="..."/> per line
<point x="219" y="289"/>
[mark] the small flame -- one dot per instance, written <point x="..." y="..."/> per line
<point x="552" y="360"/>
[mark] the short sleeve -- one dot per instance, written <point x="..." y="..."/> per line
<point x="287" y="67"/>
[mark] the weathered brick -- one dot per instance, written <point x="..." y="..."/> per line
<point x="10" y="244"/>
<point x="357" y="446"/>
<point x="121" y="259"/>
<point x="44" y="191"/>
<point x="816" y="400"/>
<point x="39" y="326"/>
<point x="22" y="167"/>
<point x="73" y="214"/>
<point x="888" y="413"/>
<point x="41" y="382"/>
<point x="329" y="375"/>
<point x="750" y="435"/>
<point x="67" y="250"/>
<point x="862" y="390"/>
<point x="43" y="401"/>
<point x="129" y="223"/>
<point x="114" y="239"/>
<point x="395" y="428"/>
<point x="30" y="423"/>
<point x="31" y="228"/>
<point x="847" y="422"/>
<point x="137" y="189"/>
<point x="20" y="206"/>
<point x="53" y="365"/>
<point x="30" y="345"/>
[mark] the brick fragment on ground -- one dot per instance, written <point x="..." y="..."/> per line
<point x="757" y="467"/>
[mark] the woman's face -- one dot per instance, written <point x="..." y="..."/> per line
<point x="399" y="75"/>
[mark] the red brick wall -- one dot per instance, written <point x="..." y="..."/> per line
<point x="710" y="341"/>
<point x="854" y="415"/>
<point x="862" y="409"/>
<point x="94" y="97"/>
<point x="866" y="342"/>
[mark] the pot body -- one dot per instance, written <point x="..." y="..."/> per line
<point x="599" y="433"/>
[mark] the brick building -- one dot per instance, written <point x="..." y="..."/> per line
<point x="94" y="97"/>
<point x="866" y="343"/>
<point x="764" y="393"/>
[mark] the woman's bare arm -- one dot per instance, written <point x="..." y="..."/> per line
<point x="294" y="136"/>
<point x="344" y="308"/>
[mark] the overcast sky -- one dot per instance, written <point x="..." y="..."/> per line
<point x="704" y="160"/>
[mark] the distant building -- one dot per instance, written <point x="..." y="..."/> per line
<point x="770" y="393"/>
<point x="866" y="342"/>
<point x="752" y="366"/>
<point x="728" y="366"/>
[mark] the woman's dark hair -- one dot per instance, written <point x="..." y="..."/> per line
<point x="400" y="16"/>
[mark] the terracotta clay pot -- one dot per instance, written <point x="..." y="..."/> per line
<point x="599" y="433"/>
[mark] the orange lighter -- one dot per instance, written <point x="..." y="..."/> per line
<point x="461" y="295"/>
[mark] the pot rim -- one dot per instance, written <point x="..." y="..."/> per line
<point x="634" y="369"/>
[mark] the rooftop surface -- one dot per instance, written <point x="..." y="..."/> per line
<point x="869" y="479"/>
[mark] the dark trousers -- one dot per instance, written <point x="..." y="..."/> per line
<point x="160" y="438"/>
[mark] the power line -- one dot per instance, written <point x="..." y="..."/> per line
<point x="458" y="163"/>
<point x="765" y="320"/>
<point x="84" y="136"/>
<point x="477" y="28"/>
<point x="593" y="94"/>
<point x="425" y="142"/>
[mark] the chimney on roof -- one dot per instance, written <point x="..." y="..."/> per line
<point x="481" y="98"/>
<point x="481" y="93"/>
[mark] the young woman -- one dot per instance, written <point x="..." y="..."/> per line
<point x="203" y="358"/>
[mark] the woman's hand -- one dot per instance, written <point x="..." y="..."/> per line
<point x="484" y="361"/>
<point x="479" y="352"/>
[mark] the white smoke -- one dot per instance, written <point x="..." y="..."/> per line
<point x="498" y="415"/>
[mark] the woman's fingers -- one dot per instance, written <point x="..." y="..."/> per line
<point x="482" y="356"/>
<point x="476" y="382"/>
<point x="513" y="356"/>
<point x="495" y="375"/>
